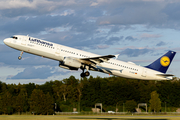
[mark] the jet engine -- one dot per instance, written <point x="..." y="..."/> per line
<point x="70" y="63"/>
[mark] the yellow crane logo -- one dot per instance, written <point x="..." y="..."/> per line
<point x="165" y="61"/>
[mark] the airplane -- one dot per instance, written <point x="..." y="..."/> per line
<point x="74" y="59"/>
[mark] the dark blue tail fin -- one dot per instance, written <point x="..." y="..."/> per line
<point x="163" y="63"/>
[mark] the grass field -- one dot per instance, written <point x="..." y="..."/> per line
<point x="81" y="117"/>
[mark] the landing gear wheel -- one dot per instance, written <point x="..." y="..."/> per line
<point x="83" y="75"/>
<point x="87" y="73"/>
<point x="19" y="57"/>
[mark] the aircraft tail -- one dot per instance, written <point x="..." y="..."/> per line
<point x="162" y="64"/>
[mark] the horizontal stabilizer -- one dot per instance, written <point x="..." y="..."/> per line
<point x="165" y="75"/>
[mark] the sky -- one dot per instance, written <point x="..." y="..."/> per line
<point x="139" y="30"/>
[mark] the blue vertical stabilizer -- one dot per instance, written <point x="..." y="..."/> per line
<point x="162" y="64"/>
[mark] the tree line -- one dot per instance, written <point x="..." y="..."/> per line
<point x="64" y="95"/>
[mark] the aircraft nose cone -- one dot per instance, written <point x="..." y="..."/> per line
<point x="5" y="41"/>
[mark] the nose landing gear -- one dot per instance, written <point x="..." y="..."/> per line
<point x="20" y="57"/>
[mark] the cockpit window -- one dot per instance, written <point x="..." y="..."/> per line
<point x="14" y="37"/>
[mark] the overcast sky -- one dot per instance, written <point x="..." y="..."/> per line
<point x="139" y="30"/>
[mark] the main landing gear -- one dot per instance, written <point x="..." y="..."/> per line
<point x="85" y="74"/>
<point x="20" y="57"/>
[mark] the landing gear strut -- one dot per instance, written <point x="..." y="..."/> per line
<point x="85" y="74"/>
<point x="20" y="57"/>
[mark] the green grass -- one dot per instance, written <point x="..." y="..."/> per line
<point x="86" y="117"/>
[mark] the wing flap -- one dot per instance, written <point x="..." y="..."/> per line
<point x="100" y="58"/>
<point x="104" y="57"/>
<point x="96" y="60"/>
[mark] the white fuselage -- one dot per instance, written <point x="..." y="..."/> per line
<point x="58" y="52"/>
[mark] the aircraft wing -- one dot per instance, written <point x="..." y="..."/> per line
<point x="96" y="60"/>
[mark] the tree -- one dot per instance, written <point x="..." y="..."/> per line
<point x="48" y="104"/>
<point x="47" y="88"/>
<point x="79" y="89"/>
<point x="41" y="103"/>
<point x="6" y="103"/>
<point x="131" y="105"/>
<point x="64" y="91"/>
<point x="20" y="102"/>
<point x="56" y="89"/>
<point x="36" y="101"/>
<point x="69" y="89"/>
<point x="29" y="88"/>
<point x="155" y="102"/>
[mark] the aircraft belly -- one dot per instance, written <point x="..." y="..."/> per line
<point x="116" y="72"/>
<point x="126" y="74"/>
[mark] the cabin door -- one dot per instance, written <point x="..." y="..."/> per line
<point x="144" y="73"/>
<point x="58" y="50"/>
<point x="23" y="40"/>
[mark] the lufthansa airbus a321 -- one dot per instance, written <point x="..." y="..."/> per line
<point x="74" y="59"/>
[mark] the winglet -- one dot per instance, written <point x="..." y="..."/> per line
<point x="117" y="56"/>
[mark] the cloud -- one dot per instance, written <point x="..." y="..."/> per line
<point x="14" y="4"/>
<point x="135" y="52"/>
<point x="124" y="12"/>
<point x="9" y="57"/>
<point x="130" y="38"/>
<point x="161" y="43"/>
<point x="32" y="73"/>
<point x="37" y="24"/>
<point x="147" y="36"/>
<point x="5" y="49"/>
<point x="114" y="29"/>
<point x="134" y="12"/>
<point x="172" y="10"/>
<point x="37" y="73"/>
<point x="14" y="8"/>
<point x="152" y="13"/>
<point x="102" y="46"/>
<point x="94" y="4"/>
<point x="114" y="40"/>
<point x="88" y="27"/>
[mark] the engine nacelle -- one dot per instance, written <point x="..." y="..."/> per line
<point x="70" y="63"/>
<point x="66" y="67"/>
